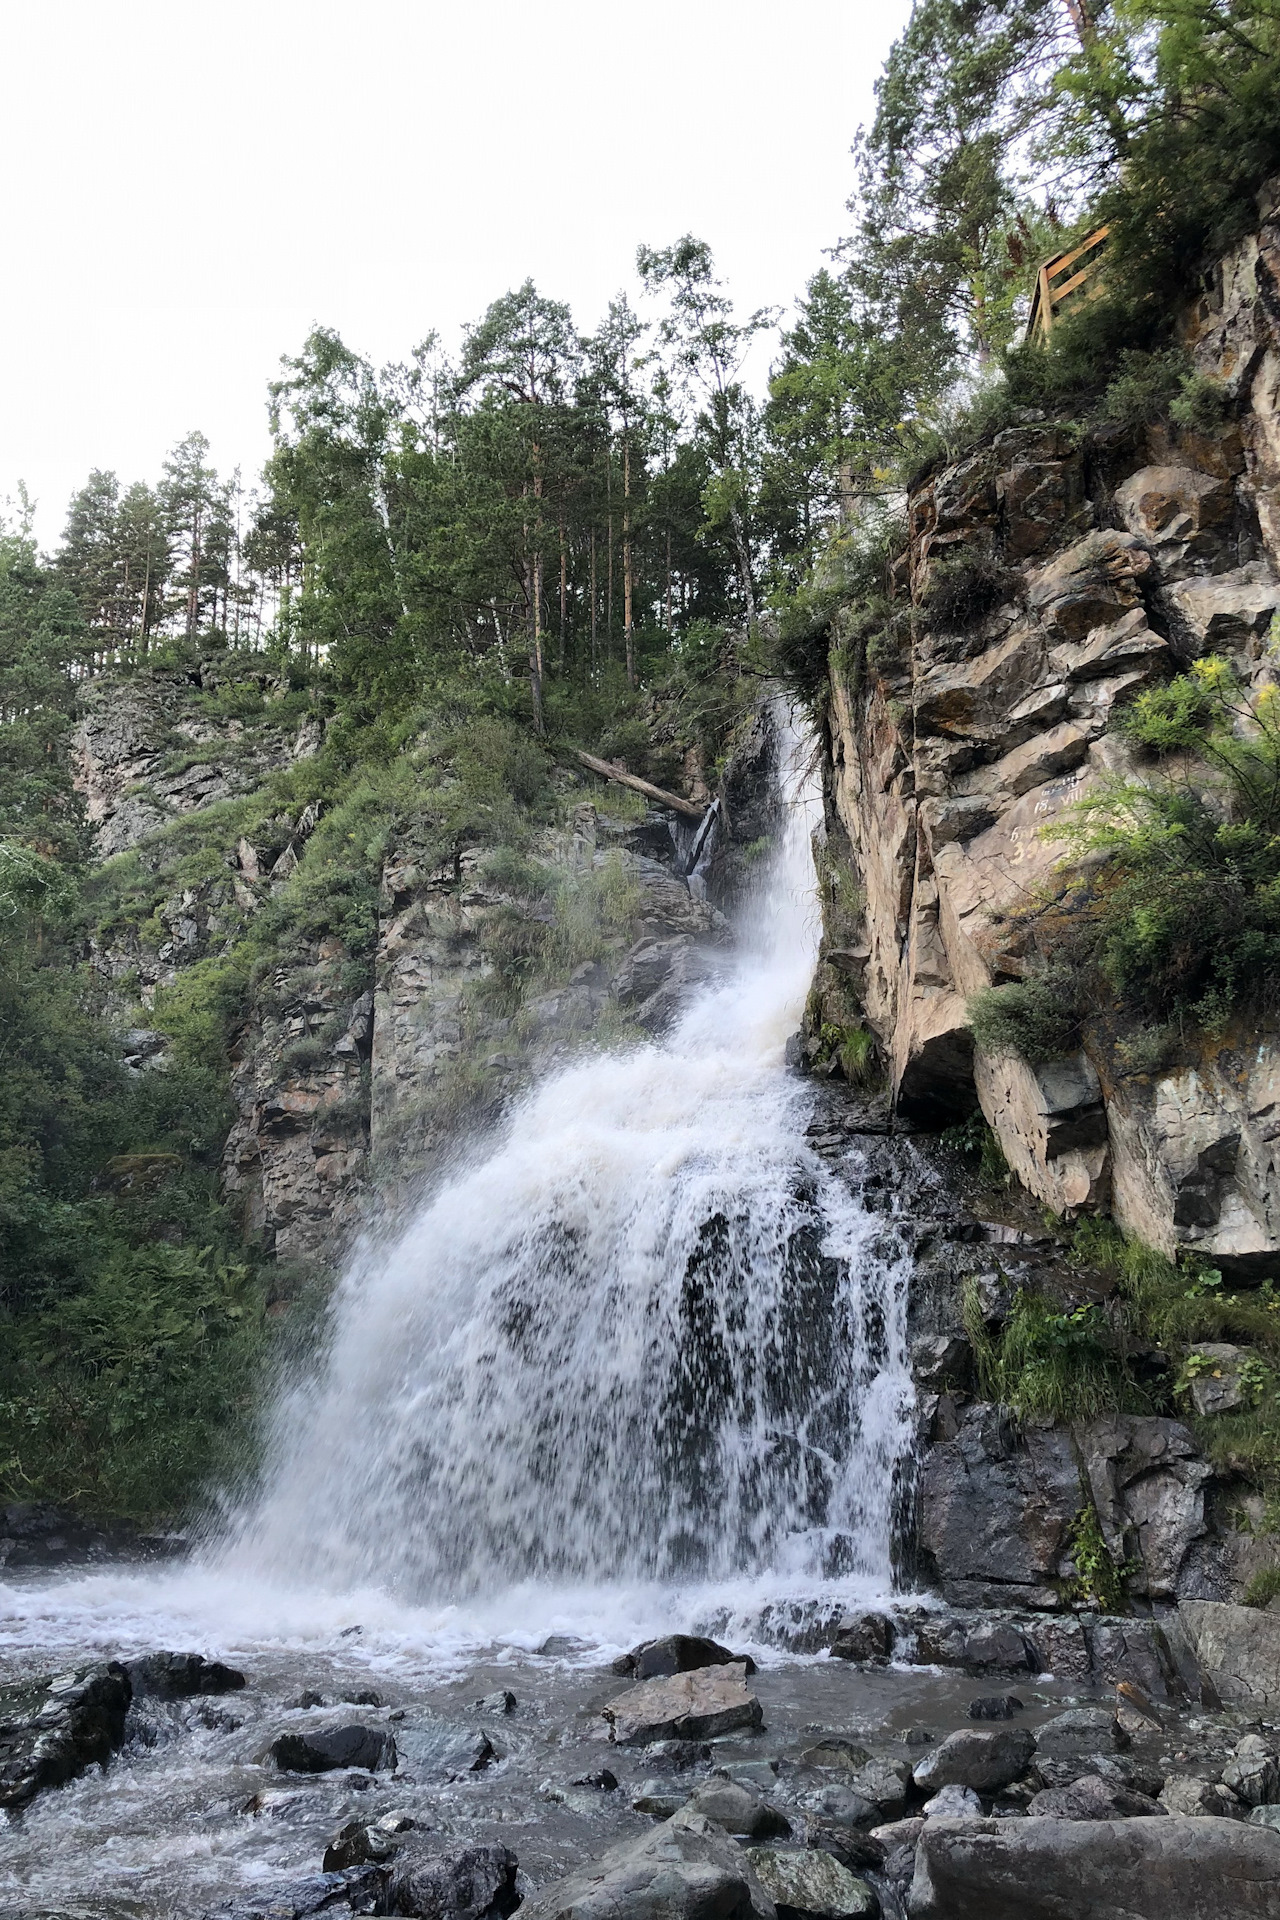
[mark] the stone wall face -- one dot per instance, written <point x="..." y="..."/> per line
<point x="961" y="744"/>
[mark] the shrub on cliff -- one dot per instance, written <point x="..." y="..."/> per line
<point x="1036" y="1018"/>
<point x="1184" y="917"/>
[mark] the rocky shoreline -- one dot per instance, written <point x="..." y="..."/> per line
<point x="696" y="1790"/>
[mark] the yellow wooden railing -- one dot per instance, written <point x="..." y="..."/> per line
<point x="1061" y="279"/>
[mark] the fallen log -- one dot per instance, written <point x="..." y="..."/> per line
<point x="646" y="787"/>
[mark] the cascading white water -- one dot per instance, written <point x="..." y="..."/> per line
<point x="647" y="1338"/>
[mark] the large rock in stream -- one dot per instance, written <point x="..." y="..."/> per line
<point x="686" y="1869"/>
<point x="53" y="1730"/>
<point x="327" y="1751"/>
<point x="700" y="1705"/>
<point x="1145" y="1869"/>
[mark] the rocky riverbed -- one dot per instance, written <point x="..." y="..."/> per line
<point x="680" y="1779"/>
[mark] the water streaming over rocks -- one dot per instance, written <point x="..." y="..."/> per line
<point x="639" y="1366"/>
<point x="651" y="1336"/>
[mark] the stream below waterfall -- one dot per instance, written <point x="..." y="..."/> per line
<point x="640" y="1366"/>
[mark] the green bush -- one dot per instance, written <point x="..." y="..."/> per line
<point x="962" y="591"/>
<point x="1061" y="1364"/>
<point x="1184" y="919"/>
<point x="123" y="1396"/>
<point x="1263" y="1588"/>
<point x="1034" y="1018"/>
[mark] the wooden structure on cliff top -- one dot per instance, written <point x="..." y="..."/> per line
<point x="1061" y="279"/>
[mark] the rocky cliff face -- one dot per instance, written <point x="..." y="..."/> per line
<point x="958" y="741"/>
<point x="358" y="1073"/>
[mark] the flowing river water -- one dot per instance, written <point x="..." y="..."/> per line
<point x="639" y="1366"/>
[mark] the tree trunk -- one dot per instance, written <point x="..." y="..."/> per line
<point x="595" y="657"/>
<point x="564" y="592"/>
<point x="744" y="565"/>
<point x="608" y="591"/>
<point x="628" y="628"/>
<point x="646" y="787"/>
<point x="193" y="590"/>
<point x="667" y="595"/>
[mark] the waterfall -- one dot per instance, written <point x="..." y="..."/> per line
<point x="649" y="1336"/>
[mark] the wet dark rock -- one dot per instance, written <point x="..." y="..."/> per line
<point x="557" y="1645"/>
<point x="740" y="1810"/>
<point x="864" y="1636"/>
<point x="984" y="1761"/>
<point x="686" y="1869"/>
<point x="811" y="1885"/>
<point x="355" y="1890"/>
<point x="326" y="1751"/>
<point x="1144" y="1869"/>
<point x="860" y="1852"/>
<point x="475" y="1883"/>
<point x="676" y="1756"/>
<point x="997" y="1505"/>
<point x="503" y="1701"/>
<point x="52" y="1730"/>
<point x="364" y="1697"/>
<point x="1092" y="1798"/>
<point x="180" y="1676"/>
<point x="603" y="1782"/>
<point x="480" y="1753"/>
<point x="357" y="1844"/>
<point x="678" y="1653"/>
<point x="995" y="1706"/>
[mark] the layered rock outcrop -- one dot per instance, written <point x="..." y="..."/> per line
<point x="1049" y="577"/>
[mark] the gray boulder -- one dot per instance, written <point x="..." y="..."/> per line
<point x="884" y="1783"/>
<point x="953" y="1803"/>
<point x="1108" y="1870"/>
<point x="739" y="1809"/>
<point x="1253" y="1771"/>
<point x="840" y="1805"/>
<point x="1238" y="1648"/>
<point x="812" y="1885"/>
<point x="1081" y="1730"/>
<point x="700" y="1705"/>
<point x="686" y="1869"/>
<point x="477" y="1883"/>
<point x="60" y="1727"/>
<point x="1266" y="1817"/>
<point x="335" y="1747"/>
<point x="1193" y="1798"/>
<point x="984" y="1761"/>
<point x="1092" y="1798"/>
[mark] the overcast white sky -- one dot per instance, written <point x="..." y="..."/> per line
<point x="189" y="187"/>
